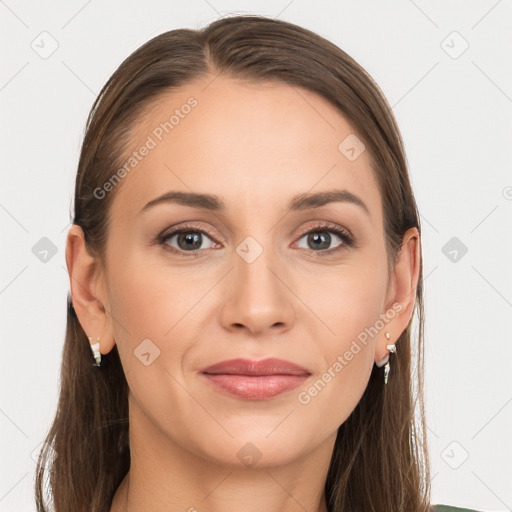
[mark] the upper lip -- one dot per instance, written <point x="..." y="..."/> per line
<point x="269" y="366"/>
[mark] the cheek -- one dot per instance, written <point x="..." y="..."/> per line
<point x="140" y="302"/>
<point x="147" y="305"/>
<point x="151" y="312"/>
<point x="350" y="307"/>
<point x="352" y="299"/>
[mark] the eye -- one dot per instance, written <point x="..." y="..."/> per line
<point x="186" y="239"/>
<point x="319" y="238"/>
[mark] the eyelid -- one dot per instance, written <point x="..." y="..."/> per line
<point x="191" y="226"/>
<point x="326" y="225"/>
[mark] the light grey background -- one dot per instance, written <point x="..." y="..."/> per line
<point x="453" y="105"/>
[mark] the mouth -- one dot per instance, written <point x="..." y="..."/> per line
<point x="255" y="380"/>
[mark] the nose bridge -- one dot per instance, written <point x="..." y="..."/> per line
<point x="256" y="297"/>
<point x="253" y="266"/>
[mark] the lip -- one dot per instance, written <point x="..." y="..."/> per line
<point x="270" y="366"/>
<point x="255" y="380"/>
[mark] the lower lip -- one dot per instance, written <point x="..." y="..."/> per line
<point x="257" y="387"/>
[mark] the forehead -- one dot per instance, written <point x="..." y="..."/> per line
<point x="260" y="142"/>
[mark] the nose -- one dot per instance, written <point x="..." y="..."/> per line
<point x="257" y="298"/>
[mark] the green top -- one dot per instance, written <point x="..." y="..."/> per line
<point x="449" y="508"/>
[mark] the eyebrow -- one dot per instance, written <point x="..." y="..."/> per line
<point x="299" y="202"/>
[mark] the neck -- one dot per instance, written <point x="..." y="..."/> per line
<point x="259" y="496"/>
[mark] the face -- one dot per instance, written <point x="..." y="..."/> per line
<point x="259" y="276"/>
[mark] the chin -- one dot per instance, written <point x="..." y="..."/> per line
<point x="256" y="449"/>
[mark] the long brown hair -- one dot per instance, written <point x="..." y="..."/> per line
<point x="380" y="459"/>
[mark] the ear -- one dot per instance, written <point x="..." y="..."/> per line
<point x="88" y="292"/>
<point x="401" y="295"/>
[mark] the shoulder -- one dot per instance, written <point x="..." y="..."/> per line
<point x="449" y="508"/>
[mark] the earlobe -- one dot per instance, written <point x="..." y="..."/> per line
<point x="84" y="275"/>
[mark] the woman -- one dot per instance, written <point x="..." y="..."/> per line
<point x="245" y="265"/>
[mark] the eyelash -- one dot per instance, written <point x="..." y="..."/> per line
<point x="342" y="233"/>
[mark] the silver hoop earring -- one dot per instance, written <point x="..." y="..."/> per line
<point x="95" y="347"/>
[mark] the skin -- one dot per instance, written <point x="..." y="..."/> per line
<point x="255" y="146"/>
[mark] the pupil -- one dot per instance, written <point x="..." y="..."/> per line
<point x="319" y="237"/>
<point x="193" y="240"/>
